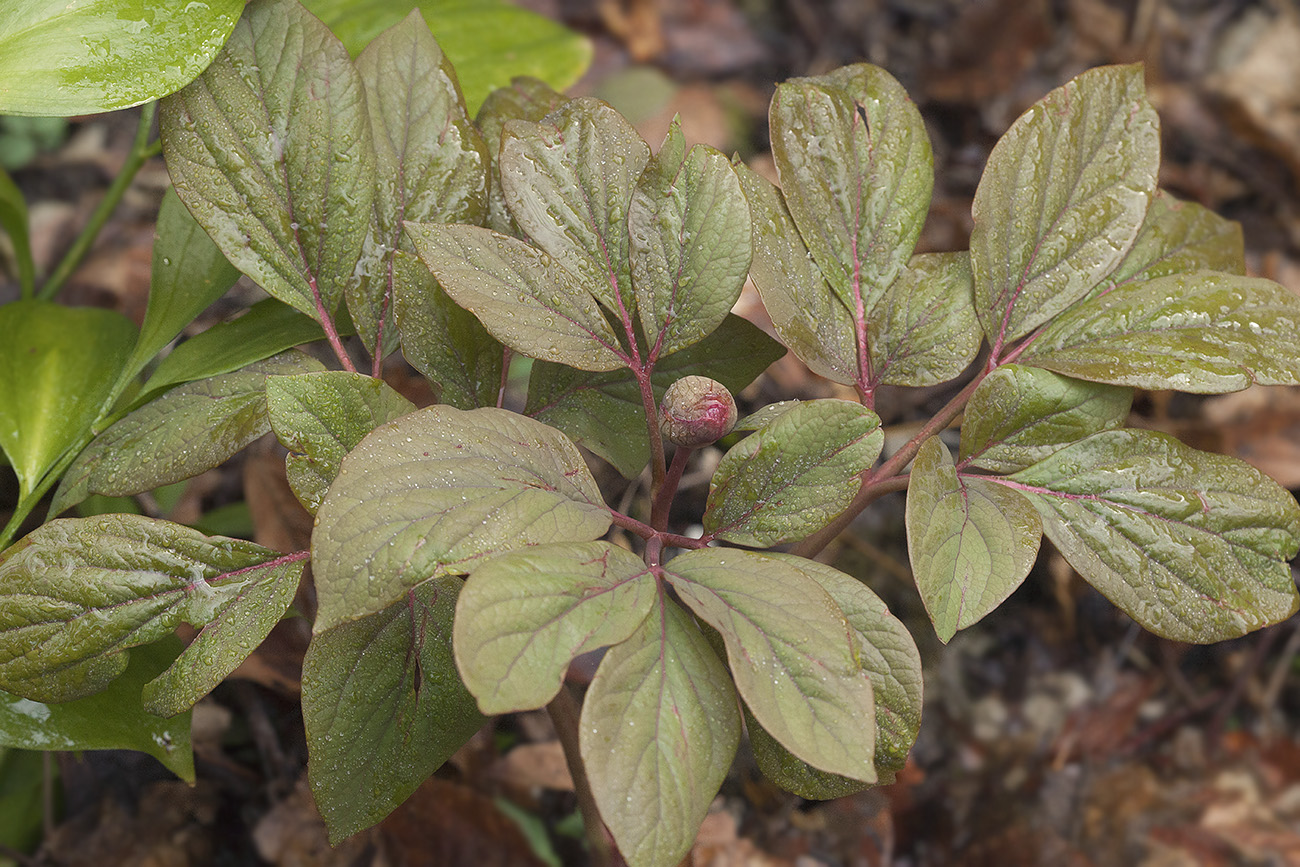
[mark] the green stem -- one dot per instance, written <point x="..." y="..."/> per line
<point x="141" y="152"/>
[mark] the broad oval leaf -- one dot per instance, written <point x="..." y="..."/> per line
<point x="437" y="491"/>
<point x="690" y="244"/>
<point x="524" y="99"/>
<point x="808" y="317"/>
<point x="526" y="299"/>
<point x="1193" y="546"/>
<point x="1181" y="236"/>
<point x="1062" y="198"/>
<point x="524" y="616"/>
<point x="61" y="58"/>
<point x="1020" y="415"/>
<point x="110" y="720"/>
<point x="857" y="171"/>
<point x="792" y="652"/>
<point x="270" y="149"/>
<point x="792" y="477"/>
<point x="971" y="541"/>
<point x="58" y="366"/>
<point x="190" y="429"/>
<point x="320" y="417"/>
<point x="1202" y="332"/>
<point x="923" y="330"/>
<point x="659" y="729"/>
<point x="77" y="592"/>
<point x="383" y="707"/>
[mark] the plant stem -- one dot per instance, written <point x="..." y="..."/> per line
<point x="565" y="715"/>
<point x="663" y="499"/>
<point x="141" y="152"/>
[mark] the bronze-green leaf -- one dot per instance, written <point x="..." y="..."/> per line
<point x="923" y="330"/>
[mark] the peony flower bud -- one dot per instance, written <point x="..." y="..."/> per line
<point x="696" y="411"/>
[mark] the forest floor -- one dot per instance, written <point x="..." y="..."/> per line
<point x="1055" y="731"/>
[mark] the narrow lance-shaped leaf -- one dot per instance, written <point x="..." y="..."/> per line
<point x="189" y="430"/>
<point x="435" y="492"/>
<point x="660" y="727"/>
<point x="792" y="653"/>
<point x="13" y="220"/>
<point x="568" y="181"/>
<point x="77" y="592"/>
<point x="690" y="244"/>
<point x="236" y="629"/>
<point x="923" y="329"/>
<point x="808" y="317"/>
<point x="526" y="299"/>
<point x="1201" y="332"/>
<point x="971" y="541"/>
<point x="1194" y="546"/>
<point x="431" y="165"/>
<point x="792" y="477"/>
<point x="1020" y="415"/>
<point x="383" y="707"/>
<point x="271" y="151"/>
<point x="1062" y="198"/>
<point x="320" y="417"/>
<point x="524" y="616"/>
<point x="857" y="171"/>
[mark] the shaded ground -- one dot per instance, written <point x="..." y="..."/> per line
<point x="1055" y="731"/>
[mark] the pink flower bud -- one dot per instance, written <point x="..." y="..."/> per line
<point x="696" y="411"/>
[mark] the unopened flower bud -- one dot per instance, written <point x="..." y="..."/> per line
<point x="696" y="411"/>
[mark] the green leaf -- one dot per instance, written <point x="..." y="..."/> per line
<point x="490" y="41"/>
<point x="1181" y="236"/>
<point x="568" y="181"/>
<point x="970" y="540"/>
<point x="57" y="369"/>
<point x="437" y="491"/>
<point x="320" y="417"/>
<point x="524" y="99"/>
<point x="792" y="652"/>
<point x="792" y="477"/>
<point x="659" y="730"/>
<point x="808" y="317"/>
<point x="923" y="330"/>
<point x="524" y="616"/>
<point x="1020" y="415"/>
<point x="236" y="628"/>
<point x="75" y="593"/>
<point x="603" y="412"/>
<point x="188" y="274"/>
<point x="1202" y="332"/>
<point x="857" y="171"/>
<point x="270" y="149"/>
<point x="520" y="294"/>
<point x="110" y="720"/>
<point x="61" y="58"/>
<point x="1062" y="198"/>
<point x="1194" y="546"/>
<point x="690" y="244"/>
<point x="13" y="220"/>
<point x="430" y="159"/>
<point x="383" y="707"/>
<point x="190" y="429"/>
<point x="268" y="328"/>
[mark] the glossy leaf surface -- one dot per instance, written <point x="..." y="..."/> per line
<point x="435" y="492"/>
<point x="792" y="652"/>
<point x="660" y="727"/>
<point x="1201" y="332"/>
<point x="525" y="98"/>
<point x="77" y="592"/>
<point x="971" y="541"/>
<point x="792" y="477"/>
<point x="61" y="58"/>
<point x="1191" y="545"/>
<point x="320" y="417"/>
<point x="1062" y="198"/>
<point x="923" y="330"/>
<point x="270" y="149"/>
<point x="525" y="615"/>
<point x="1020" y="415"/>
<point x="1181" y="236"/>
<point x="383" y="707"/>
